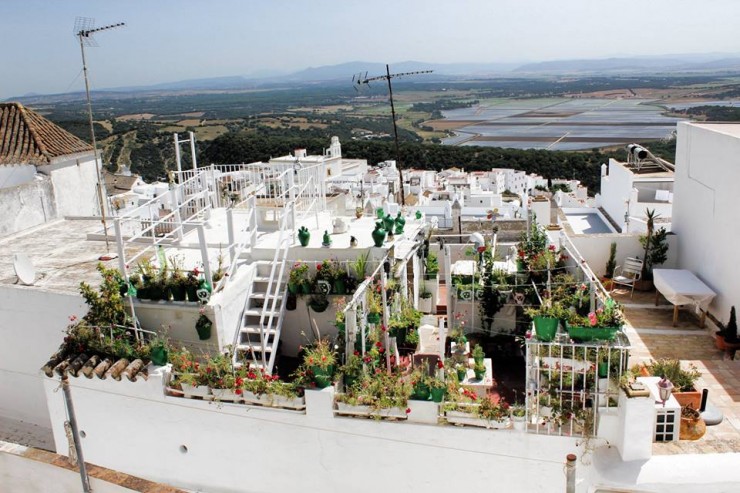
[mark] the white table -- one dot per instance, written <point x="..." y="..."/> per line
<point x="681" y="287"/>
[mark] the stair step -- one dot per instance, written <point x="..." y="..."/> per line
<point x="256" y="312"/>
<point x="265" y="296"/>
<point x="253" y="329"/>
<point x="257" y="348"/>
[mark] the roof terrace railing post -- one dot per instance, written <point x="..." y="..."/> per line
<point x="176" y="206"/>
<point x="204" y="253"/>
<point x="230" y="231"/>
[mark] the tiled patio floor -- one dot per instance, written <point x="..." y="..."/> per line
<point x="652" y="336"/>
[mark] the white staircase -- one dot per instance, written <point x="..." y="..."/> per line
<point x="261" y="321"/>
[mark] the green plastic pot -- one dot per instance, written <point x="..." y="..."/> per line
<point x="546" y="328"/>
<point x="438" y="394"/>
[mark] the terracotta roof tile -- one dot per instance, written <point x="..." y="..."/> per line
<point x="28" y="138"/>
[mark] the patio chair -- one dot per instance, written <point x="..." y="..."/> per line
<point x="627" y="274"/>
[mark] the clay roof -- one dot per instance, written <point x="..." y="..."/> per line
<point x="115" y="184"/>
<point x="28" y="138"/>
<point x="94" y="365"/>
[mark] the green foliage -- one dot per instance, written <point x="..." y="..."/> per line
<point x="671" y="369"/>
<point x="656" y="250"/>
<point x="105" y="305"/>
<point x="611" y="264"/>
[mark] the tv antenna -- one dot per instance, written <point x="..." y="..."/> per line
<point x="84" y="29"/>
<point x="357" y="82"/>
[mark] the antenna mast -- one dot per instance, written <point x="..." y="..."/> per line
<point x="359" y="80"/>
<point x="84" y="29"/>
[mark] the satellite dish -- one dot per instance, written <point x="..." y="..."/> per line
<point x="24" y="269"/>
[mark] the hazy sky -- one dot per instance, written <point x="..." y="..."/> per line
<point x="169" y="40"/>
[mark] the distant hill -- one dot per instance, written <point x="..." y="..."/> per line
<point x="343" y="72"/>
<point x="643" y="65"/>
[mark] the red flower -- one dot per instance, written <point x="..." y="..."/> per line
<point x="551" y="248"/>
<point x="440" y="364"/>
<point x="318" y="268"/>
<point x="481" y="249"/>
<point x="238" y="392"/>
<point x="357" y="353"/>
<point x="408" y="410"/>
<point x="378" y="344"/>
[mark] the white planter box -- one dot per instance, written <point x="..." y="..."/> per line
<point x="259" y="399"/>
<point x="425" y="305"/>
<point x="288" y="402"/>
<point x="519" y="423"/>
<point x="195" y="391"/>
<point x="391" y="412"/>
<point x="460" y="418"/>
<point x="225" y="395"/>
<point x="344" y="408"/>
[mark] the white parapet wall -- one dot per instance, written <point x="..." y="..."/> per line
<point x="29" y="336"/>
<point x="134" y="428"/>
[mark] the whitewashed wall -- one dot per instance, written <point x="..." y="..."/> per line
<point x="705" y="208"/>
<point x="75" y="186"/>
<point x="12" y="175"/>
<point x="616" y="188"/>
<point x="30" y="335"/>
<point x="236" y="448"/>
<point x="595" y="249"/>
<point x="27" y="205"/>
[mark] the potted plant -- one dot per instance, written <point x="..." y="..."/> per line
<point x="432" y="266"/>
<point x="177" y="282"/>
<point x="478" y="354"/>
<point x="419" y="382"/>
<point x="655" y="245"/>
<point x="480" y="370"/>
<point x="438" y="388"/>
<point x="461" y="370"/>
<point x="611" y="264"/>
<point x="319" y="303"/>
<point x="602" y="324"/>
<point x="518" y="417"/>
<point x="360" y="265"/>
<point x="546" y="319"/>
<point x="425" y="300"/>
<point x="298" y="277"/>
<point x="683" y="380"/>
<point x="203" y="325"/>
<point x="727" y="338"/>
<point x="374" y="307"/>
<point x="192" y="283"/>
<point x="319" y="359"/>
<point x="339" y="305"/>
<point x="351" y="370"/>
<point x="158" y="350"/>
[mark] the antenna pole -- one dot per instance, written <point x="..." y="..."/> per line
<point x="395" y="134"/>
<point x="101" y="204"/>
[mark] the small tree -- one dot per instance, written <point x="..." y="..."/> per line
<point x="612" y="262"/>
<point x="729" y="332"/>
<point x="656" y="251"/>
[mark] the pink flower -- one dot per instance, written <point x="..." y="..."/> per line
<point x="592" y="319"/>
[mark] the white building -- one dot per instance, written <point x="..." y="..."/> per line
<point x="629" y="189"/>
<point x="705" y="210"/>
<point x="45" y="172"/>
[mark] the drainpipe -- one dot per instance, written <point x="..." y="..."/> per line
<point x="570" y="473"/>
<point x="75" y="433"/>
